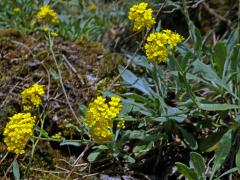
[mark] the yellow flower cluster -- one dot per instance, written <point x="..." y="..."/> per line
<point x="121" y="124"/>
<point x="16" y="10"/>
<point x="92" y="8"/>
<point x="18" y="131"/>
<point x="99" y="117"/>
<point x="57" y="135"/>
<point x="158" y="43"/>
<point x="47" y="15"/>
<point x="141" y="16"/>
<point x="47" y="30"/>
<point x="54" y="34"/>
<point x="32" y="96"/>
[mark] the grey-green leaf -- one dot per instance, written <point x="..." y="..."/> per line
<point x="189" y="173"/>
<point x="70" y="143"/>
<point x="233" y="39"/>
<point x="189" y="139"/>
<point x="129" y="159"/>
<point x="198" y="163"/>
<point x="235" y="55"/>
<point x="222" y="151"/>
<point x="195" y="35"/>
<point x="238" y="159"/>
<point x="136" y="82"/>
<point x="16" y="171"/>
<point x="93" y="156"/>
<point x="102" y="147"/>
<point x="217" y="107"/>
<point x="141" y="61"/>
<point x="176" y="114"/>
<point x="220" y="56"/>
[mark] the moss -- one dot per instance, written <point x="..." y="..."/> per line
<point x="90" y="50"/>
<point x="109" y="63"/>
<point x="68" y="128"/>
<point x="11" y="33"/>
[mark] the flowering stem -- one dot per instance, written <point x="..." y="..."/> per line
<point x="61" y="82"/>
<point x="183" y="74"/>
<point x="42" y="120"/>
<point x="158" y="88"/>
<point x="63" y="140"/>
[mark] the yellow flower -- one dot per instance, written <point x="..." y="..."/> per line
<point x="121" y="124"/>
<point x="16" y="10"/>
<point x="172" y="38"/>
<point x="92" y="8"/>
<point x="141" y="16"/>
<point x="54" y="34"/>
<point x="99" y="117"/>
<point x="32" y="96"/>
<point x="158" y="43"/>
<point x="45" y="28"/>
<point x="57" y="135"/>
<point x="100" y="133"/>
<point x="18" y="131"/>
<point x="47" y="15"/>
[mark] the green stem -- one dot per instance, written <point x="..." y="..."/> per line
<point x="63" y="140"/>
<point x="158" y="88"/>
<point x="183" y="74"/>
<point x="34" y="146"/>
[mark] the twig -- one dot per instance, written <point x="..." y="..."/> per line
<point x="130" y="36"/>
<point x="89" y="175"/>
<point x="73" y="69"/>
<point x="25" y="46"/>
<point x="3" y="158"/>
<point x="11" y="90"/>
<point x="197" y="3"/>
<point x="8" y="169"/>
<point x="158" y="156"/>
<point x="49" y="81"/>
<point x="143" y="175"/>
<point x="135" y="53"/>
<point x="77" y="160"/>
<point x="45" y="171"/>
<point x="34" y="57"/>
<point x="208" y="165"/>
<point x="62" y="85"/>
<point x="211" y="11"/>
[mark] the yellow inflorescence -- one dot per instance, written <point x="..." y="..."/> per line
<point x="121" y="124"/>
<point x="16" y="10"/>
<point x="141" y="16"/>
<point x="18" y="131"/>
<point x="32" y="96"/>
<point x="47" y="15"/>
<point x="99" y="117"/>
<point x="57" y="135"/>
<point x="92" y="8"/>
<point x="158" y="43"/>
<point x="54" y="34"/>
